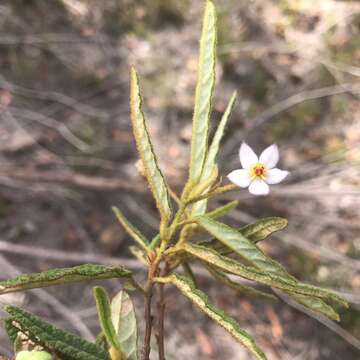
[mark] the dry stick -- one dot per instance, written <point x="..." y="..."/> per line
<point x="66" y="256"/>
<point x="69" y="179"/>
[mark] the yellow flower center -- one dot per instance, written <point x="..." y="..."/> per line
<point x="258" y="171"/>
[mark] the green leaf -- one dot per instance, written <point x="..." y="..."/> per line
<point x="241" y="289"/>
<point x="155" y="241"/>
<point x="204" y="91"/>
<point x="131" y="229"/>
<point x="263" y="228"/>
<point x="199" y="208"/>
<point x="140" y="254"/>
<point x="233" y="267"/>
<point x="204" y="186"/>
<point x="234" y="240"/>
<point x="201" y="300"/>
<point x="104" y="313"/>
<point x="62" y="276"/>
<point x="11" y="330"/>
<point x="188" y="271"/>
<point x="124" y="320"/>
<point x="317" y="305"/>
<point x="222" y="210"/>
<point x="152" y="171"/>
<point x="33" y="355"/>
<point x="65" y="345"/>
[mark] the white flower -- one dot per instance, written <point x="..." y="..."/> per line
<point x="258" y="173"/>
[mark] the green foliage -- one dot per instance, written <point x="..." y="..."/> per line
<point x="204" y="91"/>
<point x="239" y="288"/>
<point x="222" y="210"/>
<point x="263" y="228"/>
<point x="124" y="321"/>
<point x="231" y="266"/>
<point x="152" y="171"/>
<point x="104" y="313"/>
<point x="172" y="246"/>
<point x="242" y="246"/>
<point x="11" y="330"/>
<point x="62" y="343"/>
<point x="62" y="276"/>
<point x="131" y="229"/>
<point x="33" y="355"/>
<point x="199" y="208"/>
<point x="200" y="299"/>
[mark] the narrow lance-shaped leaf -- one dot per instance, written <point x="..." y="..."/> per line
<point x="241" y="289"/>
<point x="152" y="171"/>
<point x="233" y="267"/>
<point x="124" y="320"/>
<point x="255" y="232"/>
<point x="204" y="91"/>
<point x="316" y="304"/>
<point x="62" y="276"/>
<point x="222" y="210"/>
<point x="140" y="254"/>
<point x="104" y="313"/>
<point x="201" y="300"/>
<point x="155" y="241"/>
<point x="242" y="246"/>
<point x="263" y="228"/>
<point x="131" y="229"/>
<point x="199" y="207"/>
<point x="65" y="345"/>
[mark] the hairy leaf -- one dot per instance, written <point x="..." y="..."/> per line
<point x="104" y="313"/>
<point x="204" y="91"/>
<point x="255" y="232"/>
<point x="155" y="241"/>
<point x="231" y="266"/>
<point x="65" y="345"/>
<point x="33" y="355"/>
<point x="124" y="320"/>
<point x="10" y="329"/>
<point x="222" y="210"/>
<point x="234" y="240"/>
<point x="199" y="208"/>
<point x="62" y="276"/>
<point x="140" y="254"/>
<point x="263" y="228"/>
<point x="241" y="289"/>
<point x="203" y="186"/>
<point x="131" y="229"/>
<point x="316" y="304"/>
<point x="152" y="171"/>
<point x="201" y="300"/>
<point x="188" y="271"/>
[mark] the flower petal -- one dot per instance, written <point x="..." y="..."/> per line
<point x="240" y="178"/>
<point x="247" y="156"/>
<point x="270" y="156"/>
<point x="259" y="187"/>
<point x="275" y="176"/>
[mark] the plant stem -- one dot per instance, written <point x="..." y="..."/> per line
<point x="148" y="320"/>
<point x="160" y="323"/>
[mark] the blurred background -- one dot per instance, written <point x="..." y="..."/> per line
<point x="67" y="153"/>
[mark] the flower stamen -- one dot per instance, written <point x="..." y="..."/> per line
<point x="258" y="171"/>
